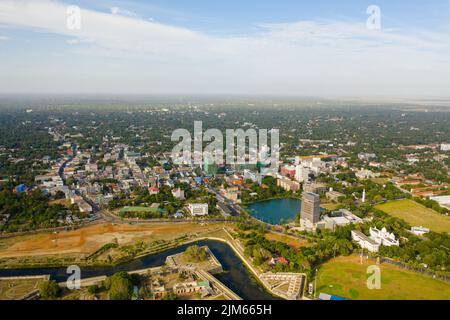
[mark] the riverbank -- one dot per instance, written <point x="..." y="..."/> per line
<point x="236" y="276"/>
<point x="60" y="261"/>
<point x="213" y="233"/>
<point x="79" y="244"/>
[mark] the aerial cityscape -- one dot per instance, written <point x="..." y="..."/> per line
<point x="147" y="169"/>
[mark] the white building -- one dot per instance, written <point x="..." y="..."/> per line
<point x="364" y="241"/>
<point x="383" y="237"/>
<point x="376" y="239"/>
<point x="366" y="174"/>
<point x="316" y="166"/>
<point x="419" y="231"/>
<point x="198" y="209"/>
<point x="254" y="176"/>
<point x="445" y="147"/>
<point x="91" y="167"/>
<point x="444" y="201"/>
<point x="178" y="193"/>
<point x="302" y="173"/>
<point x="81" y="203"/>
<point x="363" y="156"/>
<point x="338" y="218"/>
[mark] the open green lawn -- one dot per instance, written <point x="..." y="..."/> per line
<point x="346" y="277"/>
<point x="380" y="180"/>
<point x="329" y="206"/>
<point x="416" y="215"/>
<point x="139" y="209"/>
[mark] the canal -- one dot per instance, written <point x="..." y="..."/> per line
<point x="235" y="275"/>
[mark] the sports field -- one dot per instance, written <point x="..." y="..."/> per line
<point x="416" y="215"/>
<point x="346" y="277"/>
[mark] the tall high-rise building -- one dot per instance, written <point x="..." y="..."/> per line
<point x="310" y="211"/>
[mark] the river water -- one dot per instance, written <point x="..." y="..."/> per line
<point x="235" y="275"/>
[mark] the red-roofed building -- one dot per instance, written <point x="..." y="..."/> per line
<point x="278" y="260"/>
<point x="153" y="190"/>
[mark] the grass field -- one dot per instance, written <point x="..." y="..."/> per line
<point x="416" y="215"/>
<point x="140" y="209"/>
<point x="380" y="180"/>
<point x="346" y="277"/>
<point x="12" y="289"/>
<point x="291" y="241"/>
<point x="330" y="206"/>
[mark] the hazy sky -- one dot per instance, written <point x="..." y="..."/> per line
<point x="284" y="47"/>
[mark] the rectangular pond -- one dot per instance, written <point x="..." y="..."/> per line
<point x="275" y="211"/>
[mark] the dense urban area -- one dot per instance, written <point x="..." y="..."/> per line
<point x="93" y="183"/>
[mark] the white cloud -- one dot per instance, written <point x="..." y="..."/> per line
<point x="304" y="58"/>
<point x="3" y="38"/>
<point x="117" y="10"/>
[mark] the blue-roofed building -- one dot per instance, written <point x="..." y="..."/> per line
<point x="198" y="180"/>
<point x="324" y="296"/>
<point x="21" y="188"/>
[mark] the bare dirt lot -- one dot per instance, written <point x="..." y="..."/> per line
<point x="90" y="239"/>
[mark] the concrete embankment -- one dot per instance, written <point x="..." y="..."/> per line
<point x="240" y="253"/>
<point x="227" y="292"/>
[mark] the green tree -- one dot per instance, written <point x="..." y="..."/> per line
<point x="49" y="290"/>
<point x="119" y="286"/>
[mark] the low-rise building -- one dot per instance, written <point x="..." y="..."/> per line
<point x="253" y="176"/>
<point x="232" y="194"/>
<point x="366" y="174"/>
<point x="198" y="209"/>
<point x="419" y="231"/>
<point x="288" y="171"/>
<point x="363" y="156"/>
<point x="302" y="173"/>
<point x="91" y="167"/>
<point x="190" y="288"/>
<point x="178" y="193"/>
<point x="81" y="203"/>
<point x="445" y="147"/>
<point x="383" y="237"/>
<point x="315" y="187"/>
<point x="338" y="218"/>
<point x="364" y="241"/>
<point x="288" y="185"/>
<point x="443" y="201"/>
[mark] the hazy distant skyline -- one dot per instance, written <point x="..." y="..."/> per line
<point x="294" y="48"/>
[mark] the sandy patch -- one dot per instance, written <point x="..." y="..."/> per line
<point x="90" y="239"/>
